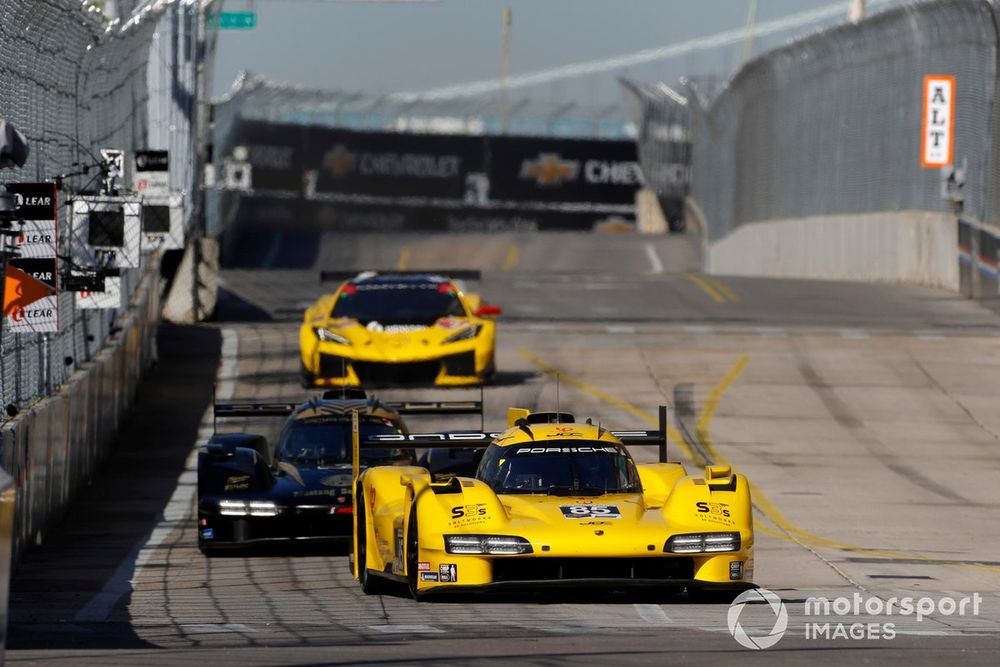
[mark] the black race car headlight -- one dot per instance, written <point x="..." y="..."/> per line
<point x="328" y="336"/>
<point x="496" y="545"/>
<point x="229" y="507"/>
<point x="697" y="543"/>
<point x="467" y="333"/>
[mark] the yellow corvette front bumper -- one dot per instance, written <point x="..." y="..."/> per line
<point x="332" y="364"/>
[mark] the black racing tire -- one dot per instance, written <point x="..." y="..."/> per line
<point x="306" y="379"/>
<point x="369" y="585"/>
<point x="698" y="595"/>
<point x="412" y="555"/>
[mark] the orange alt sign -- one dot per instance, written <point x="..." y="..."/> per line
<point x="938" y="127"/>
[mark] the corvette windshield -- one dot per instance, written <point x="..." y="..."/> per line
<point x="574" y="467"/>
<point x="324" y="441"/>
<point x="399" y="303"/>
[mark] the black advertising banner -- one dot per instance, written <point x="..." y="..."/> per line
<point x="35" y="201"/>
<point x="536" y="169"/>
<point x="262" y="212"/>
<point x="274" y="153"/>
<point x="385" y="164"/>
<point x="37" y="247"/>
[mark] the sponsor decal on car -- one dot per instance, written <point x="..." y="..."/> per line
<point x="237" y="483"/>
<point x="714" y="512"/>
<point x="448" y="572"/>
<point x="207" y="533"/>
<point x="566" y="450"/>
<point x="336" y="480"/>
<point x="468" y="515"/>
<point x="736" y="570"/>
<point x="428" y="576"/>
<point x="590" y="511"/>
<point x="423" y="566"/>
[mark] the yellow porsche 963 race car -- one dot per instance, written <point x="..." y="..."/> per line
<point x="399" y="328"/>
<point x="551" y="502"/>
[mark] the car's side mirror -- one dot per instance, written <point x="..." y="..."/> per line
<point x="487" y="310"/>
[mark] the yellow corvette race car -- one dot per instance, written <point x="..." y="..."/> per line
<point x="551" y="502"/>
<point x="398" y="328"/>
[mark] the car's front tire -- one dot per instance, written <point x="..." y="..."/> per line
<point x="307" y="379"/>
<point x="413" y="555"/>
<point x="369" y="585"/>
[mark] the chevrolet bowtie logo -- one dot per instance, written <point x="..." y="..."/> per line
<point x="339" y="160"/>
<point x="550" y="169"/>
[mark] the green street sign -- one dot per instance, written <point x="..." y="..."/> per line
<point x="233" y="20"/>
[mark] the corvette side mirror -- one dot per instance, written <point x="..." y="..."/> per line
<point x="486" y="310"/>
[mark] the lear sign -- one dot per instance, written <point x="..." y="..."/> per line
<point x="938" y="121"/>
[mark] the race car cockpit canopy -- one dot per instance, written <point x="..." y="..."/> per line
<point x="571" y="467"/>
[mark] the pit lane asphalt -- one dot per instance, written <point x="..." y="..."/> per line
<point x="863" y="414"/>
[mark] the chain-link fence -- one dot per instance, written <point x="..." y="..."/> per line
<point x="831" y="124"/>
<point x="75" y="83"/>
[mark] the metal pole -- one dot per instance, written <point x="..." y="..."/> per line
<point x="751" y="24"/>
<point x="504" y="68"/>
<point x="201" y="131"/>
<point x="857" y="11"/>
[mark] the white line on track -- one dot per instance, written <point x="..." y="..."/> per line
<point x="214" y="628"/>
<point x="652" y="613"/>
<point x="698" y="329"/>
<point x="853" y="334"/>
<point x="406" y="629"/>
<point x="620" y="329"/>
<point x="654" y="259"/>
<point x="772" y="332"/>
<point x="99" y="607"/>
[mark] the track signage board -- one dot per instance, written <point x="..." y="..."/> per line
<point x="37" y="248"/>
<point x="937" y="139"/>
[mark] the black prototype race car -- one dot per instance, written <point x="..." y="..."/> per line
<point x="250" y="493"/>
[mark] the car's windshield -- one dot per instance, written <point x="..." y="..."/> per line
<point x="389" y="304"/>
<point x="327" y="441"/>
<point x="574" y="467"/>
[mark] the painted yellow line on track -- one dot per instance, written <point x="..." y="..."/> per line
<point x="764" y="505"/>
<point x="708" y="289"/>
<point x="511" y="260"/>
<point x="726" y="291"/>
<point x="672" y="434"/>
<point x="404" y="258"/>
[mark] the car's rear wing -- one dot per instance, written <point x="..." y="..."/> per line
<point x="275" y="409"/>
<point x="454" y="274"/>
<point x="482" y="439"/>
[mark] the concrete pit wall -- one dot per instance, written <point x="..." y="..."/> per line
<point x="914" y="247"/>
<point x="54" y="448"/>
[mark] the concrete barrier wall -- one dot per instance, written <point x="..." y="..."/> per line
<point x="915" y="247"/>
<point x="55" y="447"/>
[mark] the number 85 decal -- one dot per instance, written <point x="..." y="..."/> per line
<point x="590" y="511"/>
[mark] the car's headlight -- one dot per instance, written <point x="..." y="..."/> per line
<point x="328" y="336"/>
<point x="696" y="543"/>
<point x="465" y="334"/>
<point x="247" y="508"/>
<point x="486" y="544"/>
